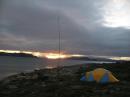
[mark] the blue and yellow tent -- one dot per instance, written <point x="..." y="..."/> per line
<point x="99" y="75"/>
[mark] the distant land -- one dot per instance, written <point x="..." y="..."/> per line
<point x="91" y="59"/>
<point x="70" y="58"/>
<point x="17" y="54"/>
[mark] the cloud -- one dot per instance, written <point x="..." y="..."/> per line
<point x="116" y="13"/>
<point x="32" y="25"/>
<point x="14" y="40"/>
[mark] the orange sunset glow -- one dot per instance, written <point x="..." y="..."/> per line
<point x="56" y="56"/>
<point x="48" y="55"/>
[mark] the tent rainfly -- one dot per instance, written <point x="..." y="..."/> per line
<point x="99" y="75"/>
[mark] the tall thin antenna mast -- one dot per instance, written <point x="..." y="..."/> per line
<point x="59" y="30"/>
<point x="59" y="43"/>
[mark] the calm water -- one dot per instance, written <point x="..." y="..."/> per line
<point x="13" y="65"/>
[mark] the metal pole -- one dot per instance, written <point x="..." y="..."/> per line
<point x="59" y="43"/>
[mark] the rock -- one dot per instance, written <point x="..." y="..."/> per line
<point x="124" y="82"/>
<point x="43" y="84"/>
<point x="5" y="92"/>
<point x="111" y="91"/>
<point x="12" y="87"/>
<point x="117" y="89"/>
<point x="35" y="76"/>
<point x="97" y="91"/>
<point x="76" y="87"/>
<point x="46" y="83"/>
<point x="6" y="81"/>
<point x="22" y="74"/>
<point x="36" y="69"/>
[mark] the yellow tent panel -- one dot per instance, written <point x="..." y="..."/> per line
<point x="100" y="75"/>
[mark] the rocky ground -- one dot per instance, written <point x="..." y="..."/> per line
<point x="65" y="82"/>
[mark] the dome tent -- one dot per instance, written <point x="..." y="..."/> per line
<point x="99" y="75"/>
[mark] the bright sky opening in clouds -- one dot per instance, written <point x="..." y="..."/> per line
<point x="116" y="13"/>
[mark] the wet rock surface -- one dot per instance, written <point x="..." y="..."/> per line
<point x="66" y="83"/>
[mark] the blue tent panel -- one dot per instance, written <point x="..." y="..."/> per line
<point x="105" y="78"/>
<point x="83" y="78"/>
<point x="90" y="77"/>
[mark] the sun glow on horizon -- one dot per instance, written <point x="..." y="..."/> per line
<point x="55" y="56"/>
<point x="48" y="55"/>
<point x="61" y="55"/>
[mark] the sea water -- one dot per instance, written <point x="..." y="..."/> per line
<point x="14" y="65"/>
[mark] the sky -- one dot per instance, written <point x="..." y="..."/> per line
<point x="88" y="27"/>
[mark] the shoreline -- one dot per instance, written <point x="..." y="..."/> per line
<point x="11" y="66"/>
<point x="66" y="82"/>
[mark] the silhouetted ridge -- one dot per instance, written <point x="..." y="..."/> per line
<point x="16" y="54"/>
